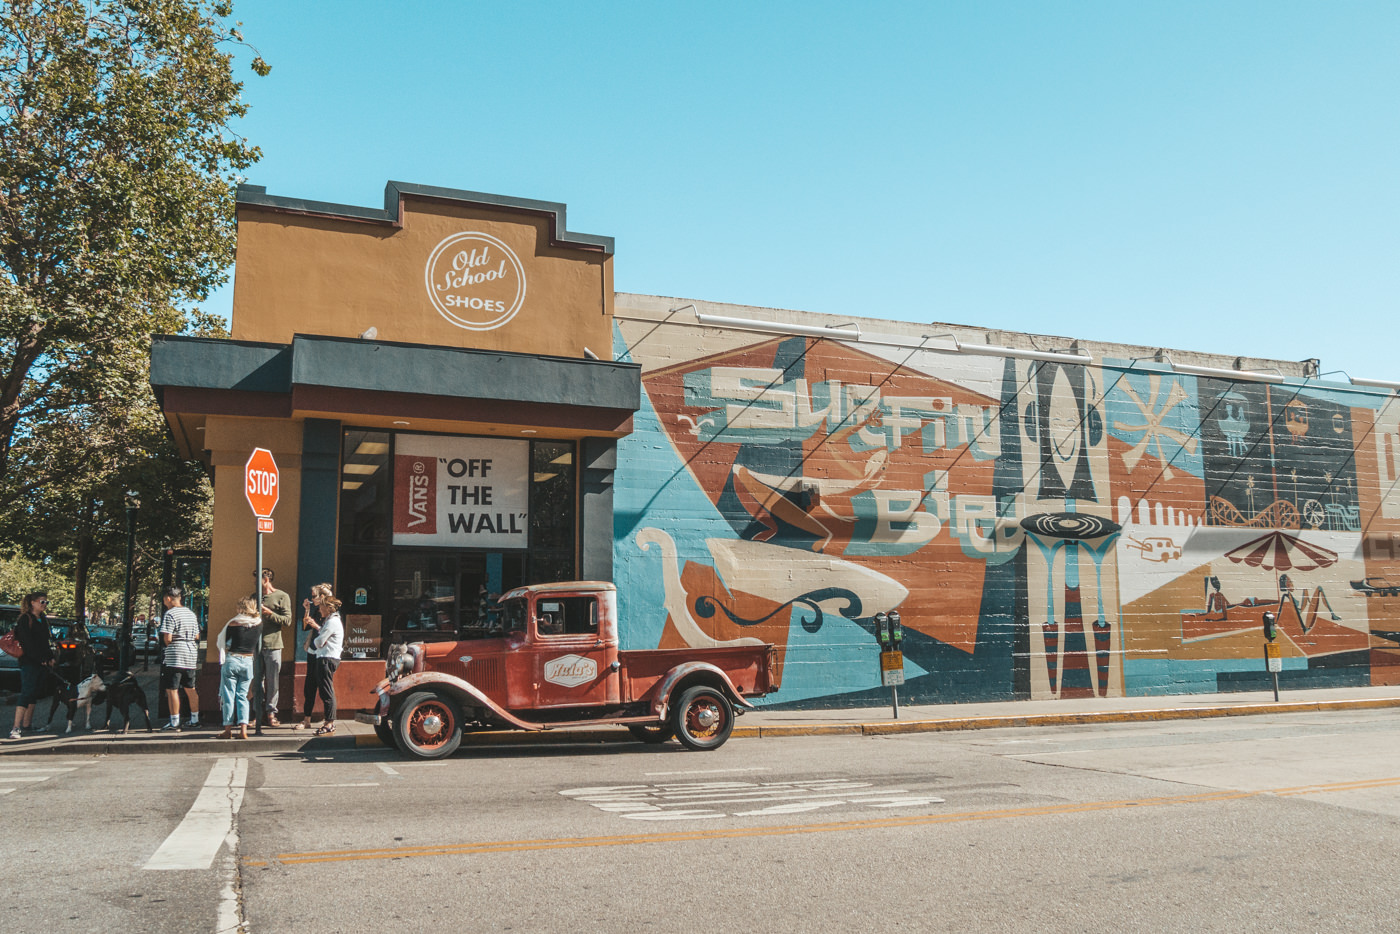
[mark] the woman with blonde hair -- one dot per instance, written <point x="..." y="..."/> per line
<point x="237" y="643"/>
<point x="322" y="618"/>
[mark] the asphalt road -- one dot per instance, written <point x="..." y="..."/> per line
<point x="1248" y="824"/>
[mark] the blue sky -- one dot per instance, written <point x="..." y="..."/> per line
<point x="1216" y="176"/>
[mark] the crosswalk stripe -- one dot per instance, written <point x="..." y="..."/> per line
<point x="195" y="843"/>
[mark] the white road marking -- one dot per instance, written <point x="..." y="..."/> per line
<point x="321" y="785"/>
<point x="699" y="800"/>
<point x="30" y="773"/>
<point x="230" y="913"/>
<point x="195" y="843"/>
<point x="756" y="768"/>
<point x="386" y="770"/>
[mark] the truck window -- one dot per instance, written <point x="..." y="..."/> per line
<point x="513" y="615"/>
<point x="567" y="616"/>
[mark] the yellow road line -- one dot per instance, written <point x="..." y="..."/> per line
<point x="520" y="846"/>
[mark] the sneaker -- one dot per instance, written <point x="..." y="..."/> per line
<point x="170" y="728"/>
<point x="14" y="734"/>
<point x="191" y="724"/>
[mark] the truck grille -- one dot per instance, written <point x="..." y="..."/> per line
<point x="488" y="674"/>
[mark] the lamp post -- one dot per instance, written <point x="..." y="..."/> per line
<point x="133" y="506"/>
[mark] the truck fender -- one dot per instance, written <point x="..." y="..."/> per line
<point x="660" y="695"/>
<point x="453" y="685"/>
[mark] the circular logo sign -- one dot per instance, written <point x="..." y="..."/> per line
<point x="475" y="281"/>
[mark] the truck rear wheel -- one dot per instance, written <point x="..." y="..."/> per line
<point x="703" y="718"/>
<point x="428" y="726"/>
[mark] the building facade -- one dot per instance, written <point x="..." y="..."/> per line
<point x="459" y="402"/>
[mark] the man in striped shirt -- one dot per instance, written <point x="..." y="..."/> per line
<point x="179" y="630"/>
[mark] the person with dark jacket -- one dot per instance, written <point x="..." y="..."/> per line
<point x="32" y="631"/>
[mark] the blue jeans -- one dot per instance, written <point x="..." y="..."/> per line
<point x="234" y="678"/>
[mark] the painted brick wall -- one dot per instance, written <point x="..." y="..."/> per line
<point x="1044" y="529"/>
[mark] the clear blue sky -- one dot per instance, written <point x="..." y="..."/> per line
<point x="1220" y="175"/>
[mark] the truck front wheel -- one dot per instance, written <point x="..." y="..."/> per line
<point x="384" y="729"/>
<point x="428" y="726"/>
<point x="703" y="718"/>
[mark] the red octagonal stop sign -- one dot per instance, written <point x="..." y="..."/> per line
<point x="260" y="482"/>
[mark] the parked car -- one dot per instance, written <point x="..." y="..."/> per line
<point x="105" y="643"/>
<point x="70" y="652"/>
<point x="147" y="638"/>
<point x="9" y="665"/>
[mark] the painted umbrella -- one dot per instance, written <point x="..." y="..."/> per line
<point x="1279" y="551"/>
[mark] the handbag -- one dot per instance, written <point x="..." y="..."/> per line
<point x="9" y="644"/>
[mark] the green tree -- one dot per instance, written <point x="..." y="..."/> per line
<point x="117" y="169"/>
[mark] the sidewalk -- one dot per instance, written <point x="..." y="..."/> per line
<point x="867" y="721"/>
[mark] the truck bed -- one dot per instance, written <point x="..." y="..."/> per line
<point x="752" y="668"/>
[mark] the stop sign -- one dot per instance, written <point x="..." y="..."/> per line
<point x="260" y="482"/>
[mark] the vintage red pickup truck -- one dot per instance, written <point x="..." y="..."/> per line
<point x="550" y="659"/>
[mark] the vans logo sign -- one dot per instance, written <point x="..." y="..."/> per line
<point x="415" y="494"/>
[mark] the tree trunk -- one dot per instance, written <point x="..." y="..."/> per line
<point x="83" y="562"/>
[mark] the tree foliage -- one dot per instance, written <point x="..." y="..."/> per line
<point x="117" y="169"/>
<point x="117" y="173"/>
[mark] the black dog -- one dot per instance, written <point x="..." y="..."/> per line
<point x="119" y="689"/>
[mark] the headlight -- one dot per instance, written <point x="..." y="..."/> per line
<point x="400" y="663"/>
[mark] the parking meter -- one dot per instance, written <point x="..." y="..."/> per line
<point x="882" y="630"/>
<point x="1270" y="627"/>
<point x="896" y="631"/>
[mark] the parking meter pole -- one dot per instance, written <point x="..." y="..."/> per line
<point x="1271" y="654"/>
<point x="257" y="652"/>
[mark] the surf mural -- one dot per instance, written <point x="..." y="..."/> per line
<point x="1045" y="530"/>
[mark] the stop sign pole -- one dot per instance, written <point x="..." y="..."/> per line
<point x="261" y="486"/>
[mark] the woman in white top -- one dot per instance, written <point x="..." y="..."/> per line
<point x="327" y="636"/>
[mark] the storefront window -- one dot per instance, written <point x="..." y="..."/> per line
<point x="364" y="488"/>
<point x="434" y="528"/>
<point x="552" y="511"/>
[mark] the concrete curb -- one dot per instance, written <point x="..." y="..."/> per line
<point x="282" y="741"/>
<point x="1071" y="719"/>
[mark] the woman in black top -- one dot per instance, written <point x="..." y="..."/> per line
<point x="32" y="631"/>
<point x="237" y="644"/>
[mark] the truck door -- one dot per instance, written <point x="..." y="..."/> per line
<point x="575" y="654"/>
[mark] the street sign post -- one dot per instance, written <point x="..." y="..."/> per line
<point x="262" y="486"/>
